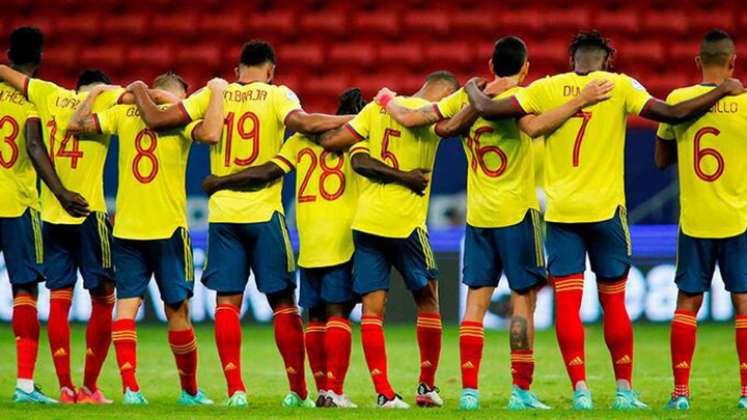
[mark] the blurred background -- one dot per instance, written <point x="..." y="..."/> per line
<point x="324" y="47"/>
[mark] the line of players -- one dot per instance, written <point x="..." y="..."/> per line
<point x="371" y="221"/>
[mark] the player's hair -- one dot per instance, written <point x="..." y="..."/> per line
<point x="26" y="44"/>
<point x="716" y="48"/>
<point x="509" y="56"/>
<point x="170" y="77"/>
<point x="257" y="52"/>
<point x="350" y="102"/>
<point x="591" y="40"/>
<point x="443" y="76"/>
<point x="91" y="76"/>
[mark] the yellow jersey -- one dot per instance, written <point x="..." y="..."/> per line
<point x="326" y="199"/>
<point x="253" y="134"/>
<point x="712" y="165"/>
<point x="78" y="160"/>
<point x="584" y="157"/>
<point x="500" y="177"/>
<point x="17" y="174"/>
<point x="391" y="210"/>
<point x="151" y="193"/>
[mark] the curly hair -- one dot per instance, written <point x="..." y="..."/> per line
<point x="591" y="39"/>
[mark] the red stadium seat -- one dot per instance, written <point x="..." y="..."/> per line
<point x="158" y="56"/>
<point x="473" y="21"/>
<point x="84" y="25"/>
<point x="224" y="25"/>
<point x="665" y="21"/>
<point x="61" y="56"/>
<point x="131" y="25"/>
<point x="44" y="23"/>
<point x="401" y="53"/>
<point x="300" y="57"/>
<point x="641" y="51"/>
<point x="177" y="26"/>
<point x="327" y="22"/>
<point x="521" y="21"/>
<point x="425" y="21"/>
<point x="378" y="22"/>
<point x="325" y="85"/>
<point x="202" y="55"/>
<point x="283" y="22"/>
<point x="450" y="52"/>
<point x="703" y="20"/>
<point x="361" y="54"/>
<point x="625" y="21"/>
<point x="106" y="57"/>
<point x="552" y="52"/>
<point x="568" y="18"/>
<point x="369" y="84"/>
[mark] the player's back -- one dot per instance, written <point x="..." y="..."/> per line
<point x="17" y="175"/>
<point x="712" y="168"/>
<point x="584" y="159"/>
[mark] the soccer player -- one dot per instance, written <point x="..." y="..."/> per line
<point x="503" y="232"/>
<point x="247" y="228"/>
<point x="713" y="201"/>
<point x="151" y="236"/>
<point x="325" y="185"/>
<point x="586" y="197"/>
<point x="389" y="229"/>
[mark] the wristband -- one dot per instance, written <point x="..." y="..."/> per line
<point x="385" y="99"/>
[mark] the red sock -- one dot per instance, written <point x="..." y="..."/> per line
<point x="618" y="331"/>
<point x="124" y="336"/>
<point x="26" y="330"/>
<point x="228" y="341"/>
<point x="314" y="341"/>
<point x="289" y="339"/>
<point x="471" y="342"/>
<point x="682" y="346"/>
<point x="568" y="326"/>
<point x="58" y="331"/>
<point x="98" y="338"/>
<point x="429" y="341"/>
<point x="522" y="368"/>
<point x="741" y="324"/>
<point x="184" y="346"/>
<point x="374" y="348"/>
<point x="337" y="344"/>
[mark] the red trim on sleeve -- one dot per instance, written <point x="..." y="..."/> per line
<point x="97" y="122"/>
<point x="121" y="96"/>
<point x="33" y="119"/>
<point x="26" y="88"/>
<point x="438" y="112"/>
<point x="353" y="132"/>
<point x="648" y="104"/>
<point x="184" y="111"/>
<point x="517" y="105"/>
<point x="285" y="120"/>
<point x="285" y="161"/>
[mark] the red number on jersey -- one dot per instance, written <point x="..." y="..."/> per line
<point x="10" y="140"/>
<point x="479" y="152"/>
<point x="386" y="154"/>
<point x="74" y="153"/>
<point x="145" y="153"/>
<point x="302" y="196"/>
<point x="585" y="117"/>
<point x="699" y="154"/>
<point x="327" y="171"/>
<point x="244" y="134"/>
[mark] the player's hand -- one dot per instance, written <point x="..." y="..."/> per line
<point x="500" y="85"/>
<point x="104" y="88"/>
<point x="417" y="180"/>
<point x="596" y="91"/>
<point x="732" y="86"/>
<point x="383" y="96"/>
<point x="73" y="203"/>
<point x="210" y="184"/>
<point x="136" y="84"/>
<point x="479" y="82"/>
<point x="217" y="84"/>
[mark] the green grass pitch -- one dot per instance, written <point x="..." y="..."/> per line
<point x="714" y="384"/>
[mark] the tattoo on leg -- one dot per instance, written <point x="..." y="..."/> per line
<point x="519" y="334"/>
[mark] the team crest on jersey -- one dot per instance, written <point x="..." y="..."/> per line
<point x="637" y="85"/>
<point x="291" y="95"/>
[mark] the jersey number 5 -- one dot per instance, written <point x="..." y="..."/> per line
<point x="585" y="117"/>
<point x="699" y="154"/>
<point x="327" y="171"/>
<point x="386" y="154"/>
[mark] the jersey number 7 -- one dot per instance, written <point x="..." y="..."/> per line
<point x="585" y="117"/>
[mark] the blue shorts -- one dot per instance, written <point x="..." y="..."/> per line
<point x="85" y="247"/>
<point x="236" y="248"/>
<point x="514" y="250"/>
<point x="697" y="258"/>
<point x="375" y="255"/>
<point x="606" y="242"/>
<point x="169" y="260"/>
<point x="21" y="244"/>
<point x="326" y="285"/>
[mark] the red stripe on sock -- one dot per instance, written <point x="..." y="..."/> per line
<point x="337" y="345"/>
<point x="228" y="341"/>
<point x="429" y="332"/>
<point x="568" y="326"/>
<point x="184" y="346"/>
<point x="522" y="368"/>
<point x="682" y="346"/>
<point x="471" y="342"/>
<point x="289" y="339"/>
<point x="98" y="339"/>
<point x="314" y="341"/>
<point x="374" y="348"/>
<point x="618" y="330"/>
<point x="26" y="330"/>
<point x="58" y="332"/>
<point x="741" y="334"/>
<point x="124" y="336"/>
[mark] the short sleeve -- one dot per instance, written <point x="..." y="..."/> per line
<point x="286" y="102"/>
<point x="32" y="114"/>
<point x="360" y="147"/>
<point x="106" y="121"/>
<point x="196" y="105"/>
<point x="666" y="131"/>
<point x="37" y="90"/>
<point x="532" y="99"/>
<point x="109" y="98"/>
<point x="360" y="125"/>
<point x="286" y="157"/>
<point x="451" y="105"/>
<point x="188" y="132"/>
<point x="636" y="95"/>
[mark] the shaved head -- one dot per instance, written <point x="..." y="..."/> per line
<point x="717" y="49"/>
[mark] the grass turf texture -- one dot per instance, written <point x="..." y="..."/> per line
<point x="714" y="384"/>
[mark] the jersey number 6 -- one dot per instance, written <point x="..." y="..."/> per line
<point x="699" y="154"/>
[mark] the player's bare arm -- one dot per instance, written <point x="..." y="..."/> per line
<point x="302" y="122"/>
<point x="72" y="202"/>
<point x="408" y="117"/>
<point x="159" y="96"/>
<point x="336" y="140"/>
<point x="14" y="78"/>
<point x="487" y="107"/>
<point x="245" y="179"/>
<point x="540" y="125"/>
<point x="416" y="180"/>
<point x="666" y="153"/>
<point x="660" y="111"/>
<point x="459" y="124"/>
<point x="82" y="120"/>
<point x="210" y="129"/>
<point x="155" y="117"/>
